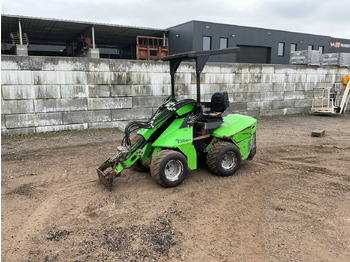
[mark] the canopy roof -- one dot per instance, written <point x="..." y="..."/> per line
<point x="60" y="32"/>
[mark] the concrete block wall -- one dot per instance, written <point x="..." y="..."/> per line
<point x="41" y="94"/>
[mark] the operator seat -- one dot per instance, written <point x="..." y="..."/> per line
<point x="212" y="119"/>
<point x="219" y="102"/>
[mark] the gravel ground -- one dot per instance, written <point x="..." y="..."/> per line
<point x="291" y="203"/>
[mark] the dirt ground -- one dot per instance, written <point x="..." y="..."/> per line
<point x="291" y="203"/>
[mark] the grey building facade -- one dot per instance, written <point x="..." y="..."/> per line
<point x="258" y="45"/>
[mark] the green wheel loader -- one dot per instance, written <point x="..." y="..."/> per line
<point x="171" y="141"/>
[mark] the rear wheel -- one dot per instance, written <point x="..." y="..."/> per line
<point x="169" y="168"/>
<point x="224" y="159"/>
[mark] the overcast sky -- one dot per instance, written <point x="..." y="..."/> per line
<point x="322" y="17"/>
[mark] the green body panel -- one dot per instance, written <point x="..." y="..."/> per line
<point x="233" y="124"/>
<point x="181" y="138"/>
<point x="185" y="109"/>
<point x="240" y="129"/>
<point x="146" y="133"/>
<point x="191" y="154"/>
<point x="174" y="136"/>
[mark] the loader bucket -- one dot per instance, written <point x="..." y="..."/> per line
<point x="105" y="175"/>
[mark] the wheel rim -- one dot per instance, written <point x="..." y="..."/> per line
<point x="173" y="170"/>
<point x="229" y="160"/>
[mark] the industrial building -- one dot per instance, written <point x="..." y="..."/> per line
<point x="257" y="45"/>
<point x="42" y="36"/>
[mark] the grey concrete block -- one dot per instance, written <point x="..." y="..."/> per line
<point x="47" y="91"/>
<point x="130" y="114"/>
<point x="109" y="103"/>
<point x="281" y="104"/>
<point x="302" y="87"/>
<point x="21" y="120"/>
<point x="56" y="105"/>
<point x="227" y="68"/>
<point x="238" y="97"/>
<point x="267" y="69"/>
<point x="10" y="62"/>
<point x="18" y="92"/>
<point x="21" y="50"/>
<point x="262" y="105"/>
<point x="16" y="78"/>
<point x="17" y="107"/>
<point x="253" y="113"/>
<point x="238" y="106"/>
<point x="116" y="124"/>
<point x="273" y="78"/>
<point x="99" y="78"/>
<point x="344" y="60"/>
<point x="330" y="59"/>
<point x="185" y="89"/>
<point x="206" y="89"/>
<point x="3" y="121"/>
<point x="121" y="78"/>
<point x="49" y="119"/>
<point x="154" y="101"/>
<point x="33" y="120"/>
<point x="272" y="96"/>
<point x="302" y="103"/>
<point x="295" y="78"/>
<point x="41" y="129"/>
<point x="18" y="131"/>
<point x="94" y="53"/>
<point x="318" y="133"/>
<point x="315" y="78"/>
<point x="255" y="68"/>
<point x="59" y="78"/>
<point x="99" y="90"/>
<point x="78" y="117"/>
<point x="74" y="91"/>
<point x="254" y="97"/>
<point x="294" y="95"/>
<point x="273" y="112"/>
<point x="293" y="111"/>
<point x="99" y="65"/>
<point x="306" y="57"/>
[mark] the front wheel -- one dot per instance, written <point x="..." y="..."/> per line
<point x="169" y="168"/>
<point x="224" y="159"/>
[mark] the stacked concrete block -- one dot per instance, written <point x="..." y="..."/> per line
<point x="331" y="59"/>
<point x="336" y="59"/>
<point x="306" y="57"/>
<point x="42" y="94"/>
<point x="344" y="59"/>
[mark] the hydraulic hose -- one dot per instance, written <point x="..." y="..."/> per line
<point x="132" y="127"/>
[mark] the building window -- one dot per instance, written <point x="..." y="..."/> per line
<point x="293" y="47"/>
<point x="223" y="42"/>
<point x="310" y="47"/>
<point x="321" y="48"/>
<point x="280" y="50"/>
<point x="206" y="42"/>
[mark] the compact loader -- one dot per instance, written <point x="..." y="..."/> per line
<point x="179" y="132"/>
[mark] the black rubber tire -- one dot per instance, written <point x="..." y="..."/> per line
<point x="216" y="154"/>
<point x="159" y="163"/>
<point x="139" y="167"/>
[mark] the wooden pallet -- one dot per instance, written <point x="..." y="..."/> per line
<point x="15" y="37"/>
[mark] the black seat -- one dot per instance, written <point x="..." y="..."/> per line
<point x="219" y="102"/>
<point x="218" y="105"/>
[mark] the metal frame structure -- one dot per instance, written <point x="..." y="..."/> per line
<point x="201" y="58"/>
<point x="330" y="100"/>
